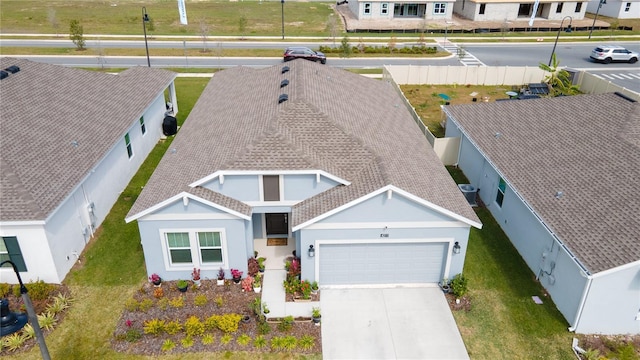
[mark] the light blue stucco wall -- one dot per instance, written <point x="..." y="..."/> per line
<point x="613" y="305"/>
<point x="563" y="278"/>
<point x="298" y="187"/>
<point x="239" y="187"/>
<point x="257" y="223"/>
<point x="380" y="211"/>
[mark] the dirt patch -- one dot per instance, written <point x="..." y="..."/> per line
<point x="220" y="300"/>
<point x="457" y="304"/>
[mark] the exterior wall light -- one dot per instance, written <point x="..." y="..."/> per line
<point x="312" y="251"/>
<point x="456" y="248"/>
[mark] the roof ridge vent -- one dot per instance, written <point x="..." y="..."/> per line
<point x="13" y="69"/>
<point x="285" y="69"/>
<point x="284" y="83"/>
<point x="283" y="98"/>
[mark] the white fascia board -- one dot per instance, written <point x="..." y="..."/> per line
<point x="179" y="197"/>
<point x="388" y="225"/>
<point x="272" y="203"/>
<point x="269" y="172"/>
<point x="23" y="223"/>
<point x="381" y="191"/>
<point x="616" y="269"/>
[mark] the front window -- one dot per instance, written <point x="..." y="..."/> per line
<point x="384" y="8"/>
<point x="559" y="8"/>
<point x="143" y="127"/>
<point x="578" y="7"/>
<point x="524" y="10"/>
<point x="627" y="7"/>
<point x="271" y="187"/>
<point x="502" y="187"/>
<point x="439" y="8"/>
<point x="210" y="246"/>
<point x="10" y="250"/>
<point x="367" y="8"/>
<point x="409" y="10"/>
<point x="179" y="248"/>
<point x="483" y="8"/>
<point x="127" y="142"/>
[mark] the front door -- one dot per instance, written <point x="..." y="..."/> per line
<point x="277" y="224"/>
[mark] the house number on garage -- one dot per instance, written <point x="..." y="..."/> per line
<point x="384" y="235"/>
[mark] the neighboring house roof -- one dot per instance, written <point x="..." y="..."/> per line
<point x="587" y="147"/>
<point x="45" y="111"/>
<point x="335" y="121"/>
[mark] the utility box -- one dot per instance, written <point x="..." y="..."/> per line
<point x="469" y="192"/>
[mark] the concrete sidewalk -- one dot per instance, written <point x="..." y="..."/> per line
<point x="273" y="294"/>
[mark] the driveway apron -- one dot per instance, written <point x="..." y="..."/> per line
<point x="389" y="323"/>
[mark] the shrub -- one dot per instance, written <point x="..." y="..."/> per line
<point x="225" y="339"/>
<point x="38" y="290"/>
<point x="263" y="327"/>
<point x="14" y="341"/>
<point x="193" y="326"/>
<point x="154" y="327"/>
<point x="207" y="339"/>
<point x="254" y="267"/>
<point x="187" y="342"/>
<point x="289" y="343"/>
<point x="177" y="302"/>
<point x="158" y="292"/>
<point x="163" y="303"/>
<point x="28" y="331"/>
<point x="168" y="345"/>
<point x="173" y="327"/>
<point x="131" y="304"/>
<point x="211" y="323"/>
<point x="228" y="323"/>
<point x="243" y="339"/>
<point x="277" y="343"/>
<point x="200" y="300"/>
<point x="459" y="285"/>
<point x="286" y="324"/>
<point x="219" y="301"/>
<point x="145" y="305"/>
<point x="5" y="290"/>
<point x="307" y="342"/>
<point x="60" y="303"/>
<point x="47" y="320"/>
<point x="256" y="306"/>
<point x="133" y="335"/>
<point x="259" y="342"/>
<point x="247" y="283"/>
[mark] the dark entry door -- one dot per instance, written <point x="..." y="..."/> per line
<point x="277" y="224"/>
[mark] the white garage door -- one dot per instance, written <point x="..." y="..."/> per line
<point x="381" y="263"/>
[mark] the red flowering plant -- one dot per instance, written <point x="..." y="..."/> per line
<point x="247" y="283"/>
<point x="235" y="273"/>
<point x="305" y="289"/>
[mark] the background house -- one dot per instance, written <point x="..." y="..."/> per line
<point x="618" y="9"/>
<point x="70" y="141"/>
<point x="311" y="156"/>
<point x="558" y="174"/>
<point x="384" y="10"/>
<point x="498" y="10"/>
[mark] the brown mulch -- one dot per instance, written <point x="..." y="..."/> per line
<point x="234" y="300"/>
<point x="463" y="304"/>
<point x="607" y="344"/>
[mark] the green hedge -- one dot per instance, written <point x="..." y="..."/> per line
<point x="418" y="50"/>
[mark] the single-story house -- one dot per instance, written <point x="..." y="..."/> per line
<point x="560" y="176"/>
<point x="326" y="159"/>
<point x="70" y="141"/>
<point x="617" y="9"/>
<point x="500" y="10"/>
<point x="399" y="10"/>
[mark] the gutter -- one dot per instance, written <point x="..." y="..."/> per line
<point x="585" y="293"/>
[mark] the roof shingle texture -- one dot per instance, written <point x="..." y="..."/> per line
<point x="588" y="147"/>
<point x="342" y="123"/>
<point x="44" y="110"/>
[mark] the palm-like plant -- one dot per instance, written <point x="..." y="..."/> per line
<point x="558" y="80"/>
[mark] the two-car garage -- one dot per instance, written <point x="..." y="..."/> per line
<point x="371" y="262"/>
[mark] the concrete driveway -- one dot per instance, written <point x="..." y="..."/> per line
<point x="389" y="323"/>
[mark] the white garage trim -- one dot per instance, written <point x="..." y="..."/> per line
<point x="318" y="252"/>
<point x="388" y="225"/>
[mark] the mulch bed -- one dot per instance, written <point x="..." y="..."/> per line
<point x="234" y="300"/>
<point x="463" y="304"/>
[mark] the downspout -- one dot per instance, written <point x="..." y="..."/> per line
<point x="585" y="293"/>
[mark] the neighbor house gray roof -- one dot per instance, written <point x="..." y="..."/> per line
<point x="587" y="147"/>
<point x="45" y="109"/>
<point x="342" y="123"/>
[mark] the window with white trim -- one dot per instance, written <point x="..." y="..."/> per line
<point x="440" y="8"/>
<point x="559" y="8"/>
<point x="10" y="250"/>
<point x="367" y="8"/>
<point x="384" y="8"/>
<point x="271" y="187"/>
<point x="179" y="248"/>
<point x="578" y="7"/>
<point x="627" y="7"/>
<point x="502" y="187"/>
<point x="483" y="8"/>
<point x="127" y="142"/>
<point x="143" y="127"/>
<point x="210" y="247"/>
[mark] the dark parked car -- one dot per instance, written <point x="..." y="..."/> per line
<point x="299" y="52"/>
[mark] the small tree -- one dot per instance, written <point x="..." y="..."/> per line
<point x="204" y="32"/>
<point x="558" y="80"/>
<point x="345" y="47"/>
<point x="53" y="19"/>
<point x="332" y="28"/>
<point x="76" y="34"/>
<point x="242" y="26"/>
<point x="392" y="44"/>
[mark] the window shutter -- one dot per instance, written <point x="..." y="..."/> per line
<point x="15" y="255"/>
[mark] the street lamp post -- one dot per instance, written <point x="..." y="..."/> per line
<point x="558" y="36"/>
<point x="33" y="318"/>
<point x="446" y="28"/>
<point x="145" y="19"/>
<point x="282" y="5"/>
<point x="600" y="3"/>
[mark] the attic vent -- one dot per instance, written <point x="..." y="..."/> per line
<point x="3" y="74"/>
<point x="284" y="83"/>
<point x="283" y="98"/>
<point x="285" y="69"/>
<point x="13" y="69"/>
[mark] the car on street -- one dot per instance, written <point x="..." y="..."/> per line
<point x="299" y="52"/>
<point x="610" y="53"/>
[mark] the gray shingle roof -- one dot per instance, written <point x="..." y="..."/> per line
<point x="342" y="123"/>
<point x="586" y="146"/>
<point x="46" y="107"/>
